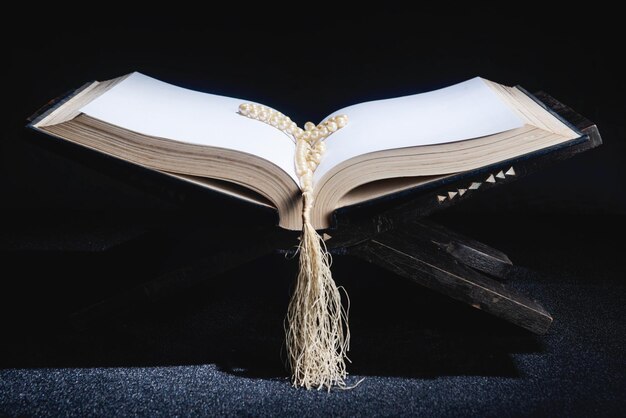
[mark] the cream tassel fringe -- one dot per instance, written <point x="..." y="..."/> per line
<point x="316" y="326"/>
<point x="316" y="343"/>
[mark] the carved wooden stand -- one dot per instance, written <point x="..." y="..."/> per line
<point x="398" y="238"/>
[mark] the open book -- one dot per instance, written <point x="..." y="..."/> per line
<point x="387" y="146"/>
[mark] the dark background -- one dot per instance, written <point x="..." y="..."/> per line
<point x="308" y="66"/>
<point x="74" y="233"/>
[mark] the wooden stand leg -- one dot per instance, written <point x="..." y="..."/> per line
<point x="446" y="262"/>
<point x="194" y="272"/>
<point x="421" y="251"/>
<point x="466" y="250"/>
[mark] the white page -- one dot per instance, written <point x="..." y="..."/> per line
<point x="467" y="110"/>
<point x="151" y="107"/>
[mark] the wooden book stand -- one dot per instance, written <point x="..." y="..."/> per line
<point x="397" y="236"/>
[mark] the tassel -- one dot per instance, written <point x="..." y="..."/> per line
<point x="316" y="343"/>
<point x="316" y="326"/>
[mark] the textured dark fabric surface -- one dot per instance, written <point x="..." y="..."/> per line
<point x="215" y="349"/>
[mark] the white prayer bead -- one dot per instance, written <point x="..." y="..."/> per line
<point x="310" y="141"/>
<point x="341" y="120"/>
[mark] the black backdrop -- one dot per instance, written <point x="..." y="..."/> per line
<point x="309" y="65"/>
<point x="56" y="210"/>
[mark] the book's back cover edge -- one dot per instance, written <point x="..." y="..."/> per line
<point x="567" y="115"/>
<point x="53" y="105"/>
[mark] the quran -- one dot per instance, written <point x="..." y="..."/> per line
<point x="381" y="147"/>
